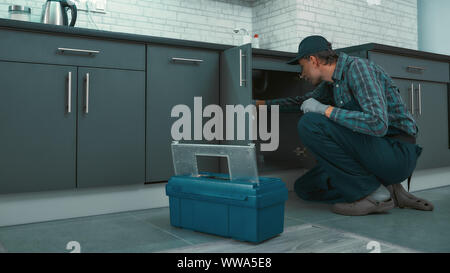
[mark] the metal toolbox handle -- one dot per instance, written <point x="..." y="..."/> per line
<point x="241" y="159"/>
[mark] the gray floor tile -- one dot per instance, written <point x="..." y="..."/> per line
<point x="103" y="233"/>
<point x="309" y="212"/>
<point x="304" y="238"/>
<point x="420" y="230"/>
<point x="288" y="221"/>
<point x="160" y="218"/>
<point x="2" y="249"/>
<point x="440" y="195"/>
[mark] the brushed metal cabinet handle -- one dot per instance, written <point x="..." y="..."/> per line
<point x="241" y="80"/>
<point x="174" y="59"/>
<point x="86" y="109"/>
<point x="76" y="50"/>
<point x="69" y="92"/>
<point x="410" y="67"/>
<point x="412" y="99"/>
<point x="420" y="101"/>
<point x="240" y="67"/>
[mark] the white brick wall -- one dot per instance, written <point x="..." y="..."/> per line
<point x="281" y="24"/>
<point x="198" y="20"/>
<point x="284" y="23"/>
<point x="274" y="21"/>
<point x="352" y="22"/>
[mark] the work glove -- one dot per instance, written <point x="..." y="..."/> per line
<point x="312" y="105"/>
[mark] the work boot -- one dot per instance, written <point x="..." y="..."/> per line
<point x="404" y="199"/>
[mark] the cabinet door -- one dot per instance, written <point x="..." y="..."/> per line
<point x="432" y="119"/>
<point x="236" y="86"/>
<point x="236" y="89"/>
<point x="37" y="135"/>
<point x="175" y="76"/>
<point x="111" y="127"/>
<point x="430" y="110"/>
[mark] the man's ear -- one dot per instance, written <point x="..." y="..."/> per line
<point x="314" y="60"/>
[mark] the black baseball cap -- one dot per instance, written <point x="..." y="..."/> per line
<point x="310" y="45"/>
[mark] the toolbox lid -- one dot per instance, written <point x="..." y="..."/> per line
<point x="241" y="159"/>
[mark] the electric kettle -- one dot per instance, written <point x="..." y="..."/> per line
<point x="55" y="12"/>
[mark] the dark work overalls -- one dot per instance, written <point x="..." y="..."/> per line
<point x="351" y="165"/>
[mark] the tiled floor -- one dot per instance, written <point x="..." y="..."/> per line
<point x="309" y="227"/>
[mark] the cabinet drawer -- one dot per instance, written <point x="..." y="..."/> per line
<point x="411" y="68"/>
<point x="45" y="48"/>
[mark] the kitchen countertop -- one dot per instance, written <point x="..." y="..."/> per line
<point x="38" y="27"/>
<point x="397" y="51"/>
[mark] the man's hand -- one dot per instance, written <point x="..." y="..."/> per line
<point x="312" y="105"/>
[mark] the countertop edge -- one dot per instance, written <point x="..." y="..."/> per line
<point x="397" y="50"/>
<point x="146" y="39"/>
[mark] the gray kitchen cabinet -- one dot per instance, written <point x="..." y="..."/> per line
<point x="47" y="140"/>
<point x="111" y="127"/>
<point x="38" y="130"/>
<point x="135" y="81"/>
<point x="246" y="76"/>
<point x="411" y="68"/>
<point x="423" y="85"/>
<point x="47" y="147"/>
<point x="175" y="75"/>
<point x="430" y="110"/>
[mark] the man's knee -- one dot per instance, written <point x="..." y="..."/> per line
<point x="309" y="123"/>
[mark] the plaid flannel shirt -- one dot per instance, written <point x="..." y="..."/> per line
<point x="373" y="89"/>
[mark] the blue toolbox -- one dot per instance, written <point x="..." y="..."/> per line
<point x="239" y="205"/>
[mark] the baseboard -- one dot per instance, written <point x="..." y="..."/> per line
<point x="420" y="180"/>
<point x="429" y="179"/>
<point x="25" y="208"/>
